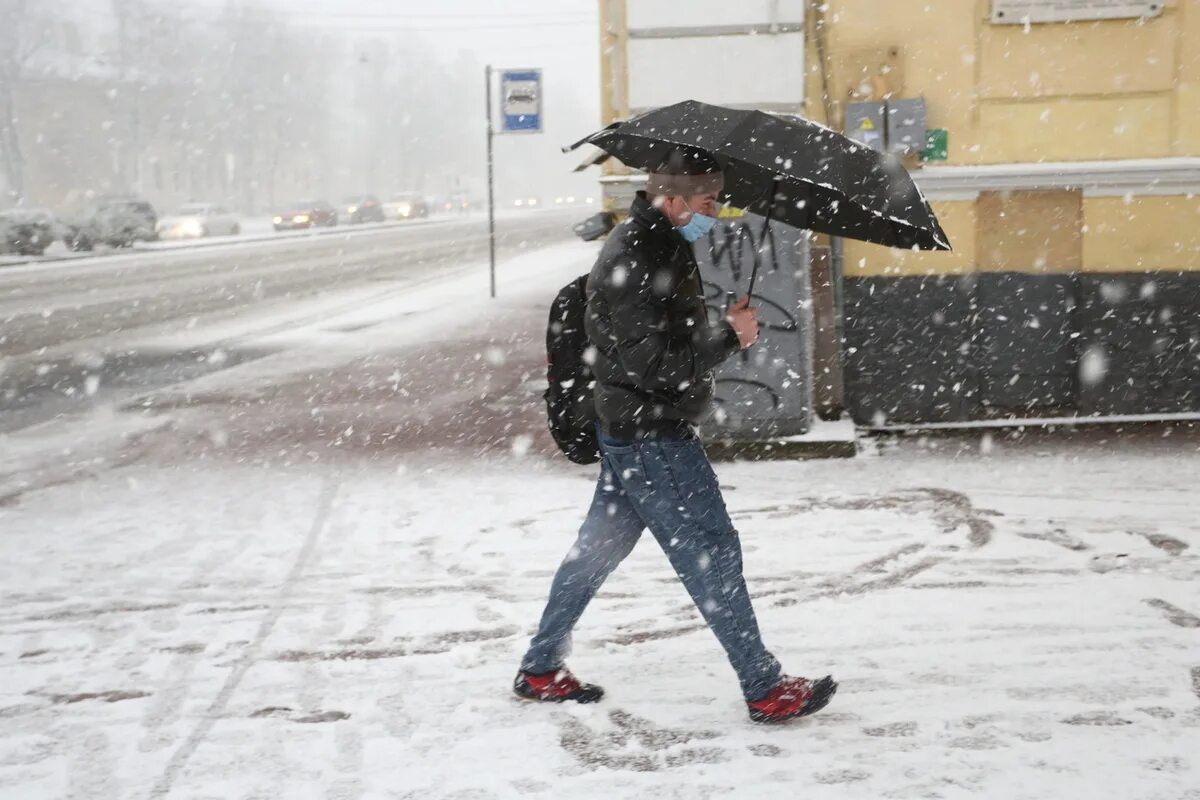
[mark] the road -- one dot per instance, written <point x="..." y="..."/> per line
<point x="77" y="333"/>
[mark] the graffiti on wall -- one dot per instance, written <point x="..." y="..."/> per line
<point x="766" y="390"/>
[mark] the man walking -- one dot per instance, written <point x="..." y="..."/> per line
<point x="655" y="352"/>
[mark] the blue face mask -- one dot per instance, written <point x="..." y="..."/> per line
<point x="696" y="227"/>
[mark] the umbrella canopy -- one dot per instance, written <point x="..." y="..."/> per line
<point x="823" y="180"/>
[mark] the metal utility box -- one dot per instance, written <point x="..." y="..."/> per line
<point x="766" y="391"/>
<point x="937" y="145"/>
<point x="865" y="123"/>
<point x="906" y="125"/>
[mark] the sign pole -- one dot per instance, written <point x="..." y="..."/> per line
<point x="491" y="191"/>
<point x="521" y="111"/>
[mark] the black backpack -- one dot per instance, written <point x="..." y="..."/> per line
<point x="569" y="403"/>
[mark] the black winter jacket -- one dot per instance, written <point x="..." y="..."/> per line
<point x="646" y="319"/>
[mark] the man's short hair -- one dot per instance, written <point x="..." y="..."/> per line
<point x="684" y="173"/>
<point x="687" y="161"/>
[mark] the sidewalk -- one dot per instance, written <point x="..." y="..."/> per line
<point x="315" y="576"/>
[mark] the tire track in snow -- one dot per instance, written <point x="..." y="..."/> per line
<point x="180" y="758"/>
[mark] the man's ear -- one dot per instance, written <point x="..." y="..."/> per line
<point x="663" y="204"/>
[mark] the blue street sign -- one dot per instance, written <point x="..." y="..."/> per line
<point x="521" y="100"/>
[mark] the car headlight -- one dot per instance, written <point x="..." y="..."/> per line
<point x="404" y="209"/>
<point x="300" y="218"/>
<point x="533" y="201"/>
<point x="351" y="209"/>
<point x="277" y="220"/>
<point x="518" y="202"/>
<point x="191" y="227"/>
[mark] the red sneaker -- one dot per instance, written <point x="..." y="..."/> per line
<point x="555" y="687"/>
<point x="793" y="697"/>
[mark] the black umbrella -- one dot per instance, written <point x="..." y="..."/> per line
<point x="786" y="168"/>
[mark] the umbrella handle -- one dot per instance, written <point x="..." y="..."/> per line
<point x="763" y="237"/>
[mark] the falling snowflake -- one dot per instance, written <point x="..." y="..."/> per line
<point x="1093" y="366"/>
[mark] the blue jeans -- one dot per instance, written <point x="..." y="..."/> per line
<point x="668" y="486"/>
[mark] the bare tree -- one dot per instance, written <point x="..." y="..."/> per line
<point x="16" y="48"/>
<point x="422" y="115"/>
<point x="238" y="105"/>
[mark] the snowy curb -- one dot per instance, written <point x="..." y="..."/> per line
<point x="187" y="245"/>
<point x="1034" y="422"/>
<point x="837" y="439"/>
<point x="275" y="236"/>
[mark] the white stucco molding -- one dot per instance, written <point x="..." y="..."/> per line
<point x="1117" y="178"/>
<point x="1140" y="176"/>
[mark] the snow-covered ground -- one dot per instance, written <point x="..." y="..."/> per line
<point x="313" y="575"/>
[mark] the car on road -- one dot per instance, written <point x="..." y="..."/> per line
<point x="305" y="214"/>
<point x="361" y="208"/>
<point x="455" y="203"/>
<point x="527" y="202"/>
<point x="595" y="226"/>
<point x="406" y="205"/>
<point x="116" y="221"/>
<point x="197" y="220"/>
<point x="27" y="231"/>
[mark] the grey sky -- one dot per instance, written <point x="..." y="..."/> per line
<point x="560" y="36"/>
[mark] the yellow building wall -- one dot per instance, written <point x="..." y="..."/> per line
<point x="1083" y="58"/>
<point x="1097" y="90"/>
<point x="1035" y="232"/>
<point x="1061" y="129"/>
<point x="958" y="218"/>
<point x="1007" y="93"/>
<point x="1141" y="233"/>
<point x="1116" y="234"/>
<point x="1186" y="129"/>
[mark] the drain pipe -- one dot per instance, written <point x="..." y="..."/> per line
<point x="836" y="403"/>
